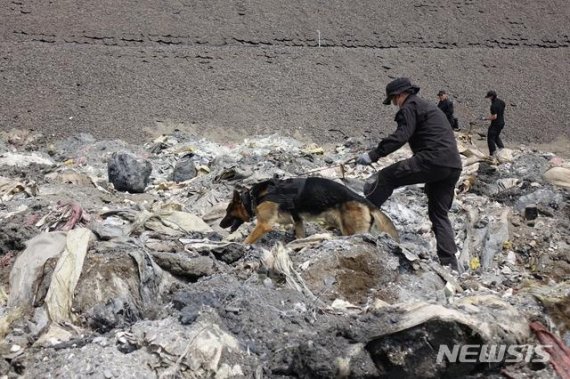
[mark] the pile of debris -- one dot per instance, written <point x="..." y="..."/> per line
<point x="113" y="264"/>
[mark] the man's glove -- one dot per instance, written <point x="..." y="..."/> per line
<point x="364" y="159"/>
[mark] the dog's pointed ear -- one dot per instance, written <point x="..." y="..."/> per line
<point x="236" y="196"/>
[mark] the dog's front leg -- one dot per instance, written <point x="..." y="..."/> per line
<point x="266" y="216"/>
<point x="259" y="230"/>
<point x="299" y="227"/>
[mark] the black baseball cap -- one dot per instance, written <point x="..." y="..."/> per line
<point x="491" y="94"/>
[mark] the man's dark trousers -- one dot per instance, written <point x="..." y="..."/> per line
<point x="493" y="139"/>
<point x="440" y="185"/>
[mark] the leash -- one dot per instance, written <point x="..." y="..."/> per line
<point x="340" y="165"/>
<point x="342" y="172"/>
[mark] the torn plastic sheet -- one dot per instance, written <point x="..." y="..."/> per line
<point x="176" y="223"/>
<point x="28" y="267"/>
<point x="172" y="223"/>
<point x="66" y="275"/>
<point x="559" y="176"/>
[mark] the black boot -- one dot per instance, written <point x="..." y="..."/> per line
<point x="452" y="263"/>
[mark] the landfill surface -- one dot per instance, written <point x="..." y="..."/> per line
<point x="141" y="282"/>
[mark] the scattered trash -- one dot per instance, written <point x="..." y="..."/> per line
<point x="10" y="188"/>
<point x="140" y="280"/>
<point x="24" y="160"/>
<point x="28" y="267"/>
<point x="60" y="293"/>
<point x="558" y="351"/>
<point x="559" y="176"/>
<point x="531" y="212"/>
<point x="65" y="216"/>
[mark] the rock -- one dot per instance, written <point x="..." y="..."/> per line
<point x="128" y="173"/>
<point x="185" y="169"/>
<point x="192" y="268"/>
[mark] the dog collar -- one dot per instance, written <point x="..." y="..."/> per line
<point x="246" y="199"/>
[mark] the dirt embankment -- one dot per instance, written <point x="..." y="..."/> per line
<point x="313" y="70"/>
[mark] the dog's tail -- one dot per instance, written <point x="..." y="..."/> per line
<point x="382" y="223"/>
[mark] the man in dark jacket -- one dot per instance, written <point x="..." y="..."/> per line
<point x="497" y="119"/>
<point x="446" y="106"/>
<point x="435" y="162"/>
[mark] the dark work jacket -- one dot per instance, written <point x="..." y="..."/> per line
<point x="424" y="126"/>
<point x="446" y="107"/>
<point x="498" y="108"/>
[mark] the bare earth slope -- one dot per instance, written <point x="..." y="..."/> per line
<point x="239" y="68"/>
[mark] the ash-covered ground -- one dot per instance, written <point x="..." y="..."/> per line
<point x="101" y="283"/>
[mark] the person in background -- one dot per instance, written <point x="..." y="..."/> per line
<point x="497" y="119"/>
<point x="435" y="161"/>
<point x="446" y="106"/>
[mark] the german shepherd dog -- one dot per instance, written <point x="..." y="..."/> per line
<point x="290" y="201"/>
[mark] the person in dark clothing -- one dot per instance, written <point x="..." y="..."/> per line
<point x="446" y="106"/>
<point x="497" y="119"/>
<point x="435" y="161"/>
